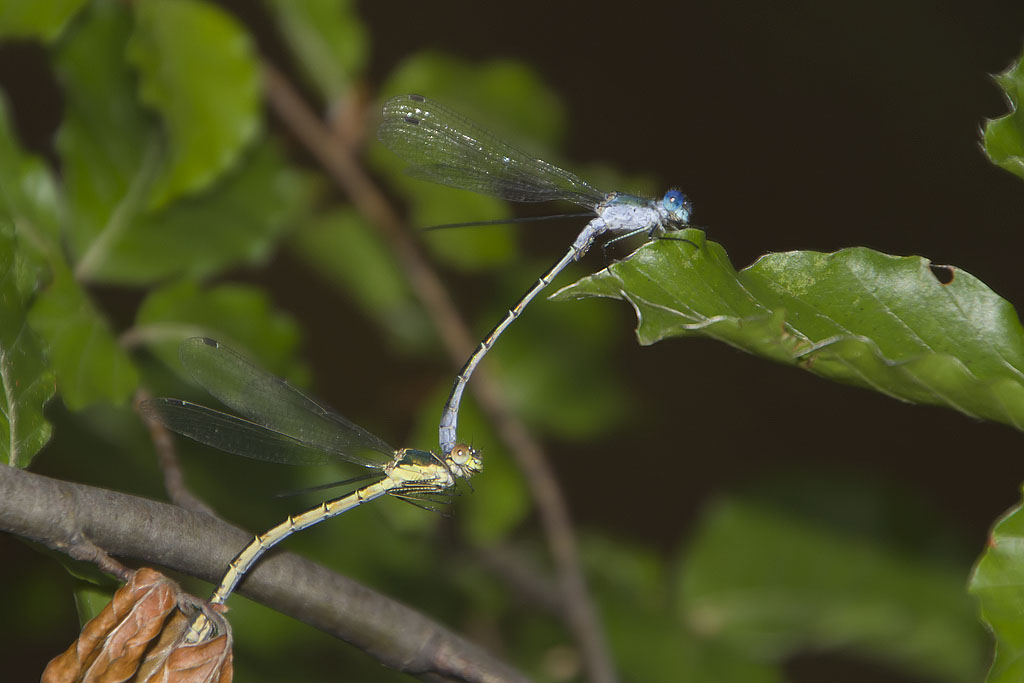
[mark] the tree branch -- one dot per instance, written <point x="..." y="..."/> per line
<point x="60" y="514"/>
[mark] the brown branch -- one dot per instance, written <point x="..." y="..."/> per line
<point x="336" y="157"/>
<point x="527" y="581"/>
<point x="59" y="514"/>
<point x="81" y="548"/>
<point x="167" y="459"/>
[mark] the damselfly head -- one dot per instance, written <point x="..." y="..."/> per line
<point x="466" y="458"/>
<point x="678" y="205"/>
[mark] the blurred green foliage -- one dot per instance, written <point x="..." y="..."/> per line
<point x="42" y="20"/>
<point x="170" y="183"/>
<point x="816" y="586"/>
<point x="998" y="585"/>
<point x="1004" y="137"/>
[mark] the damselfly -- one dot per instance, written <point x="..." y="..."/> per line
<point x="447" y="148"/>
<point x="278" y="423"/>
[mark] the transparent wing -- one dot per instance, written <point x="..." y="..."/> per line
<point x="268" y="402"/>
<point x="232" y="434"/>
<point x="447" y="148"/>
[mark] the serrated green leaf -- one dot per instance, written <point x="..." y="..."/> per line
<point x="198" y="69"/>
<point x="241" y="317"/>
<point x="29" y="225"/>
<point x="90" y="366"/>
<point x="773" y="584"/>
<point x="238" y="220"/>
<point x="502" y="95"/>
<point x="328" y="39"/>
<point x="26" y="381"/>
<point x="107" y="142"/>
<point x="998" y="583"/>
<point x="42" y="19"/>
<point x="856" y="316"/>
<point x="348" y="252"/>
<point x="1004" y="137"/>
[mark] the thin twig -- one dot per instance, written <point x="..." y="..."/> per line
<point x="167" y="459"/>
<point x="336" y="157"/>
<point x="526" y="580"/>
<point x="59" y="514"/>
<point x="80" y="547"/>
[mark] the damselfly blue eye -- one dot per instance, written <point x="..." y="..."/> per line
<point x="677" y="203"/>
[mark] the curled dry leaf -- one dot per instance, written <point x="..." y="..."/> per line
<point x="174" y="661"/>
<point x="139" y="637"/>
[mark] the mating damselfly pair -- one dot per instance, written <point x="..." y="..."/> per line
<point x="276" y="422"/>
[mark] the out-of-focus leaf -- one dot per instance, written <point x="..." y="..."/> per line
<point x="655" y="647"/>
<point x="856" y="316"/>
<point x="505" y="97"/>
<point x="627" y="568"/>
<point x="649" y="640"/>
<point x="238" y="220"/>
<point x="345" y="250"/>
<point x="998" y="583"/>
<point x="236" y="315"/>
<point x="498" y="502"/>
<point x="90" y="601"/>
<point x="772" y="584"/>
<point x="198" y="69"/>
<point x="1004" y="137"/>
<point x="859" y="504"/>
<point x="43" y="19"/>
<point x="26" y="381"/>
<point x="29" y="201"/>
<point x="471" y="248"/>
<point x="29" y="224"/>
<point x="329" y="40"/>
<point x="90" y="366"/>
<point x="111" y="155"/>
<point x="108" y="144"/>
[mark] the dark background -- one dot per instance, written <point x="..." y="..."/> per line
<point x="791" y="125"/>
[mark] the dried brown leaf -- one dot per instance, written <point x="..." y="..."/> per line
<point x="110" y="646"/>
<point x="207" y="662"/>
<point x="132" y="639"/>
<point x="172" y="660"/>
